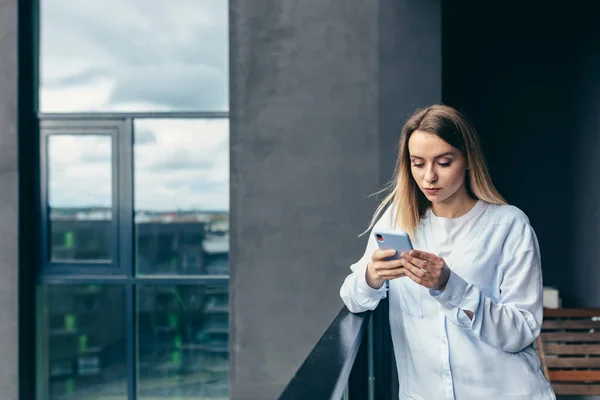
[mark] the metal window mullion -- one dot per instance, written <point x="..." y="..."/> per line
<point x="136" y="115"/>
<point x="115" y="200"/>
<point x="126" y="245"/>
<point x="130" y="338"/>
<point x="43" y="206"/>
<point x="125" y="199"/>
<point x="122" y="279"/>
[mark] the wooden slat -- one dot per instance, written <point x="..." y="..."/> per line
<point x="571" y="337"/>
<point x="571" y="362"/>
<point x="574" y="376"/>
<point x="590" y="349"/>
<point x="571" y="324"/>
<point x="571" y="312"/>
<point x="571" y="389"/>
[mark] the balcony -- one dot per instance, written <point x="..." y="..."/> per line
<point x="354" y="359"/>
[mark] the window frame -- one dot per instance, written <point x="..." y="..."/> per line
<point x="115" y="129"/>
<point x="122" y="271"/>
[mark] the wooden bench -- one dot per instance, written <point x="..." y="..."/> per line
<point x="569" y="347"/>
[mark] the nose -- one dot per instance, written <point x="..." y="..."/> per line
<point x="430" y="175"/>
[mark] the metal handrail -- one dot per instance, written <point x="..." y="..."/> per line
<point x="326" y="371"/>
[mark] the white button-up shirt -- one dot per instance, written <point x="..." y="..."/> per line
<point x="440" y="352"/>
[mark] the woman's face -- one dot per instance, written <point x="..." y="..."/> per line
<point x="437" y="167"/>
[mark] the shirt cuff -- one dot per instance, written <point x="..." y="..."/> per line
<point x="364" y="288"/>
<point x="453" y="293"/>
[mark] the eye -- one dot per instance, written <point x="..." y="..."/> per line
<point x="418" y="165"/>
<point x="445" y="163"/>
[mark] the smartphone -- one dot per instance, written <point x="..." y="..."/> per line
<point x="397" y="240"/>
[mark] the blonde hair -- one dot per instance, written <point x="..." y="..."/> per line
<point x="404" y="194"/>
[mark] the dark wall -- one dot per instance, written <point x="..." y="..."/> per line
<point x="523" y="74"/>
<point x="585" y="193"/>
<point x="319" y="91"/>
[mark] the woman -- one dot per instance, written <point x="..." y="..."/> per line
<point x="466" y="304"/>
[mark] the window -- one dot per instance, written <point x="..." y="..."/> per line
<point x="181" y="179"/>
<point x="79" y="172"/>
<point x="132" y="295"/>
<point x="81" y="331"/>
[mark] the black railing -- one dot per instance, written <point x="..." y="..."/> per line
<point x="353" y="359"/>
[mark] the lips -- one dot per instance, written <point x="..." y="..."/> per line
<point x="431" y="190"/>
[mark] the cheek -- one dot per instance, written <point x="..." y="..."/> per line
<point x="416" y="174"/>
<point x="456" y="177"/>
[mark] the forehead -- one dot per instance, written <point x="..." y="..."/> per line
<point x="427" y="145"/>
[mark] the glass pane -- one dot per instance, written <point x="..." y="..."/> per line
<point x="81" y="342"/>
<point x="181" y="193"/>
<point x="183" y="336"/>
<point x="133" y="55"/>
<point x="80" y="197"/>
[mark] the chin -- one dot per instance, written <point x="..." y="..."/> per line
<point x="436" y="198"/>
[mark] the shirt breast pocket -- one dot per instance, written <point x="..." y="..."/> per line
<point x="408" y="295"/>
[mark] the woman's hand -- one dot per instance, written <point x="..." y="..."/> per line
<point x="380" y="270"/>
<point x="426" y="269"/>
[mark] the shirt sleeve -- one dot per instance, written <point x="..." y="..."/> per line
<point x="515" y="321"/>
<point x="355" y="292"/>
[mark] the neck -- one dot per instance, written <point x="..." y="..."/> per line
<point x="455" y="206"/>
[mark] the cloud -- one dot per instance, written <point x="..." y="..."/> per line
<point x="79" y="170"/>
<point x="71" y="150"/>
<point x="139" y="55"/>
<point x="178" y="165"/>
<point x="174" y="86"/>
<point x="75" y="79"/>
<point x="144" y="135"/>
<point x="181" y="160"/>
<point x="148" y="54"/>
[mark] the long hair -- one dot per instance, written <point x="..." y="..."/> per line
<point x="404" y="194"/>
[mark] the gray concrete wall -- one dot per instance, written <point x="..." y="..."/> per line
<point x="9" y="314"/>
<point x="409" y="69"/>
<point x="319" y="91"/>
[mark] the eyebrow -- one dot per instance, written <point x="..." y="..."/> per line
<point x="448" y="153"/>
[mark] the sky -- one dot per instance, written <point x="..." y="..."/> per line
<point x="134" y="55"/>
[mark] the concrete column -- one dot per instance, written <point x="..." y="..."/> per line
<point x="319" y="91"/>
<point x="9" y="206"/>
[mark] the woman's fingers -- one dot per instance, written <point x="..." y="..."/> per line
<point x="392" y="264"/>
<point x="380" y="255"/>
<point x="426" y="269"/>
<point x="414" y="269"/>
<point x="418" y="280"/>
<point x="381" y="260"/>
<point x="423" y="255"/>
<point x="419" y="263"/>
<point x="393" y="274"/>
